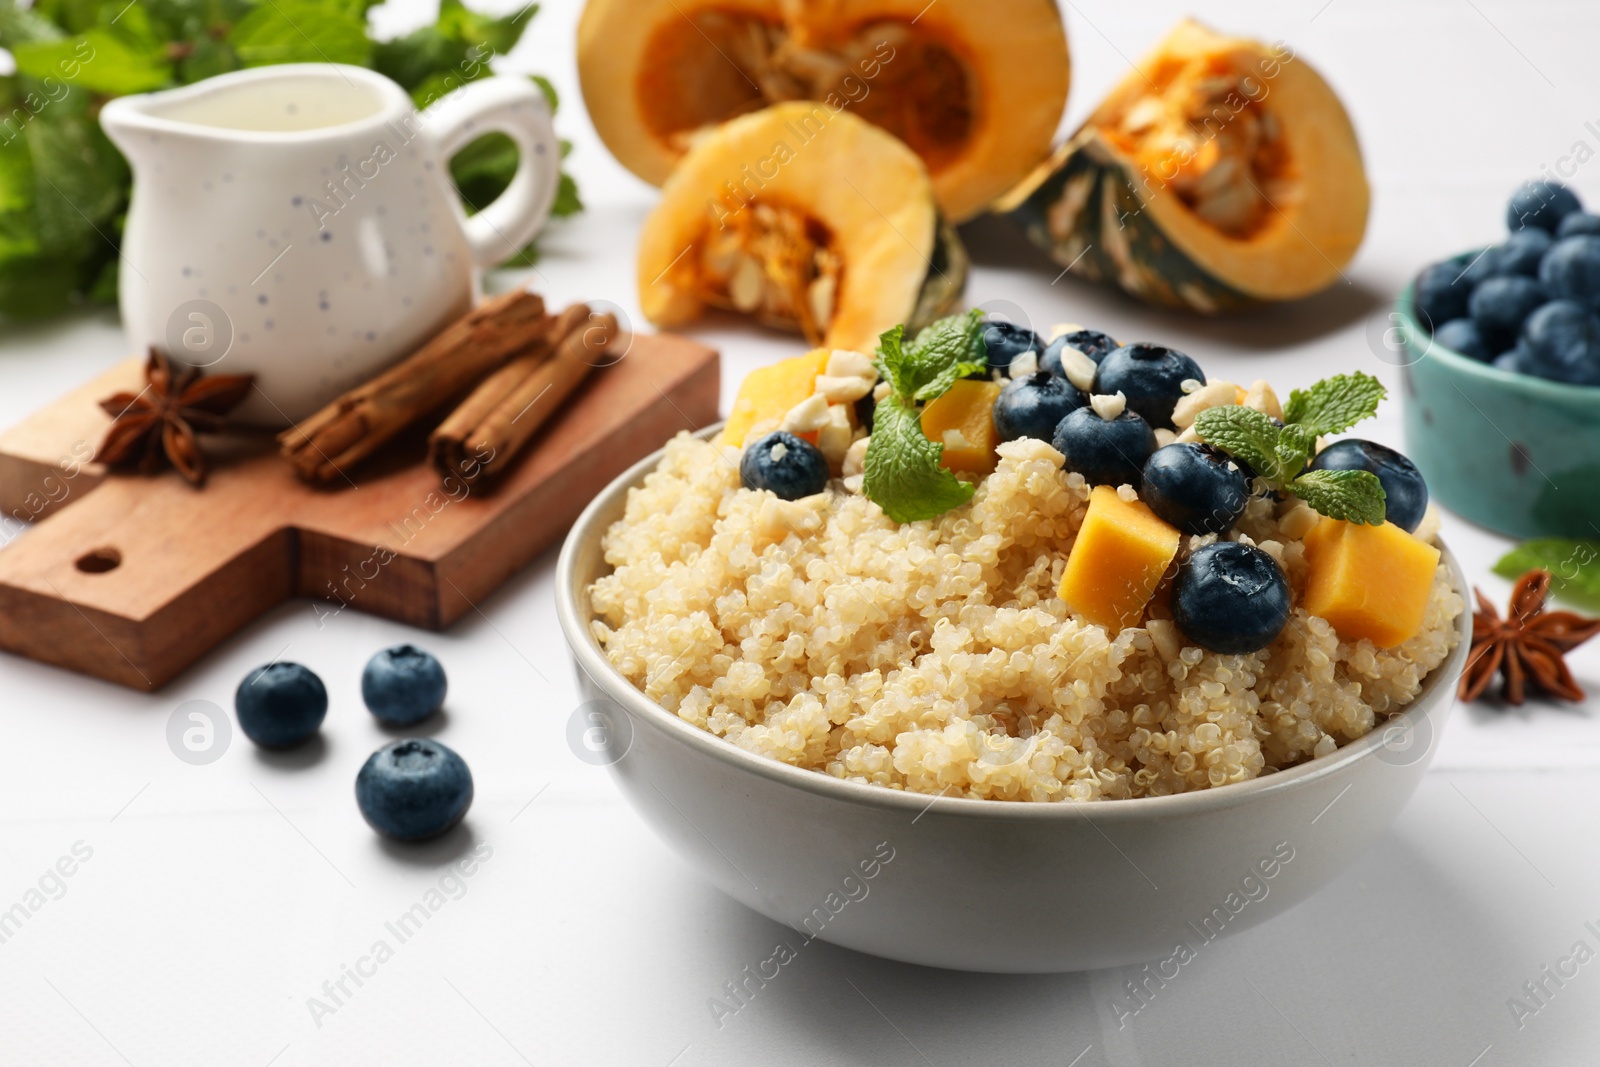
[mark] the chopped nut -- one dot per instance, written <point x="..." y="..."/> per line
<point x="880" y="391"/>
<point x="843" y="363"/>
<point x="843" y="390"/>
<point x="1189" y="436"/>
<point x="810" y="414"/>
<point x="955" y="439"/>
<point x="1212" y="395"/>
<point x="854" y="482"/>
<point x="821" y="293"/>
<point x="833" y="440"/>
<point x="1164" y="635"/>
<point x="1023" y="365"/>
<point x="1189" y="385"/>
<point x="855" y="458"/>
<point x="778" y="518"/>
<point x="1109" y="407"/>
<point x="1261" y="397"/>
<point x="1298" y="520"/>
<point x="746" y="286"/>
<point x="1164" y="437"/>
<point x="1078" y="367"/>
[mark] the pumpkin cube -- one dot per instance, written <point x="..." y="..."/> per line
<point x="1369" y="581"/>
<point x="963" y="421"/>
<point x="767" y="393"/>
<point x="1117" y="562"/>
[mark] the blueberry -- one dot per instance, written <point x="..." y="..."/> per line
<point x="1561" y="341"/>
<point x="1004" y="341"/>
<point x="1461" y="335"/>
<point x="1105" y="452"/>
<point x="1034" y="406"/>
<point x="1441" y="294"/>
<point x="1540" y="203"/>
<point x="1571" y="270"/>
<point x="787" y="465"/>
<point x="413" y="789"/>
<point x="1151" y="377"/>
<point x="1194" y="487"/>
<point x="280" y="705"/>
<point x="1230" y="597"/>
<point x="1405" y="492"/>
<point x="1512" y="360"/>
<point x="1477" y="267"/>
<point x="1091" y="343"/>
<point x="1579" y="222"/>
<point x="403" y="685"/>
<point x="1500" y="306"/>
<point x="1522" y="251"/>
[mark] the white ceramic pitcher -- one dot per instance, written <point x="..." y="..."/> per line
<point x="298" y="222"/>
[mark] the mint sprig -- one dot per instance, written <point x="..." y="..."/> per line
<point x="1574" y="567"/>
<point x="903" y="474"/>
<point x="1278" y="455"/>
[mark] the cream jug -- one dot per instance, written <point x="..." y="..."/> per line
<point x="298" y="222"/>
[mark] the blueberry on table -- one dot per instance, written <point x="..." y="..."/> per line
<point x="1404" y="490"/>
<point x="1561" y="341"/>
<point x="1034" y="406"/>
<point x="1521" y="252"/>
<point x="1091" y="343"/>
<point x="1540" y="203"/>
<point x="1579" y="222"/>
<point x="1500" y="306"/>
<point x="1441" y="294"/>
<point x="1004" y="341"/>
<point x="787" y="465"/>
<point x="1195" y="487"/>
<point x="413" y="789"/>
<point x="1571" y="270"/>
<point x="1230" y="597"/>
<point x="1151" y="377"/>
<point x="1461" y="335"/>
<point x="403" y="685"/>
<point x="280" y="705"/>
<point x="1105" y="451"/>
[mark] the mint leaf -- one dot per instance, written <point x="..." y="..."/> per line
<point x="1295" y="446"/>
<point x="301" y="31"/>
<point x="903" y="476"/>
<point x="1354" y="496"/>
<point x="941" y="345"/>
<point x="948" y="377"/>
<point x="1335" y="404"/>
<point x="1574" y="567"/>
<point x="98" y="61"/>
<point x="1244" y="433"/>
<point x="891" y="361"/>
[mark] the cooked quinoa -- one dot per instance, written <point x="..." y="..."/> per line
<point x="936" y="656"/>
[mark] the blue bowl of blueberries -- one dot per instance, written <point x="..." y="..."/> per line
<point x="1501" y="356"/>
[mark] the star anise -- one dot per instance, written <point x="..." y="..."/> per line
<point x="159" y="423"/>
<point x="1527" y="647"/>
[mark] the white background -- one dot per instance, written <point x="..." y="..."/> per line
<point x="220" y="898"/>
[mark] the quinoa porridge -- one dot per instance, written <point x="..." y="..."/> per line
<point x="939" y="655"/>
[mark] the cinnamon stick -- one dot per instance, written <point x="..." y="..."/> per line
<point x="357" y="423"/>
<point x="447" y="445"/>
<point x="488" y="448"/>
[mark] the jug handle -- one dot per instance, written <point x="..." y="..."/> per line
<point x="516" y="108"/>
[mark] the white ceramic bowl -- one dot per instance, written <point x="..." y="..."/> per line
<point x="989" y="885"/>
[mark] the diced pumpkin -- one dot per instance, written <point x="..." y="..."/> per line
<point x="963" y="421"/>
<point x="769" y="392"/>
<point x="1369" y="581"/>
<point x="1118" y="560"/>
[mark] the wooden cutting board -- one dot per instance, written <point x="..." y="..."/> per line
<point x="132" y="578"/>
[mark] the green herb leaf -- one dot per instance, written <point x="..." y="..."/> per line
<point x="1244" y="433"/>
<point x="1354" y="496"/>
<point x="301" y="31"/>
<point x="1574" y="566"/>
<point x="903" y="475"/>
<point x="99" y="61"/>
<point x="1335" y="404"/>
<point x="1294" y="448"/>
<point x="891" y="361"/>
<point x="948" y="377"/>
<point x="942" y="344"/>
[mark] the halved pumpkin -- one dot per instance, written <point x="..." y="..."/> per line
<point x="1222" y="173"/>
<point x="975" y="89"/>
<point x="809" y="220"/>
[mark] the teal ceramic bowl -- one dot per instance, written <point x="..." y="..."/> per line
<point x="1518" y="454"/>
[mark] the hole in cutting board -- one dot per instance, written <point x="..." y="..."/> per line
<point x="98" y="561"/>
